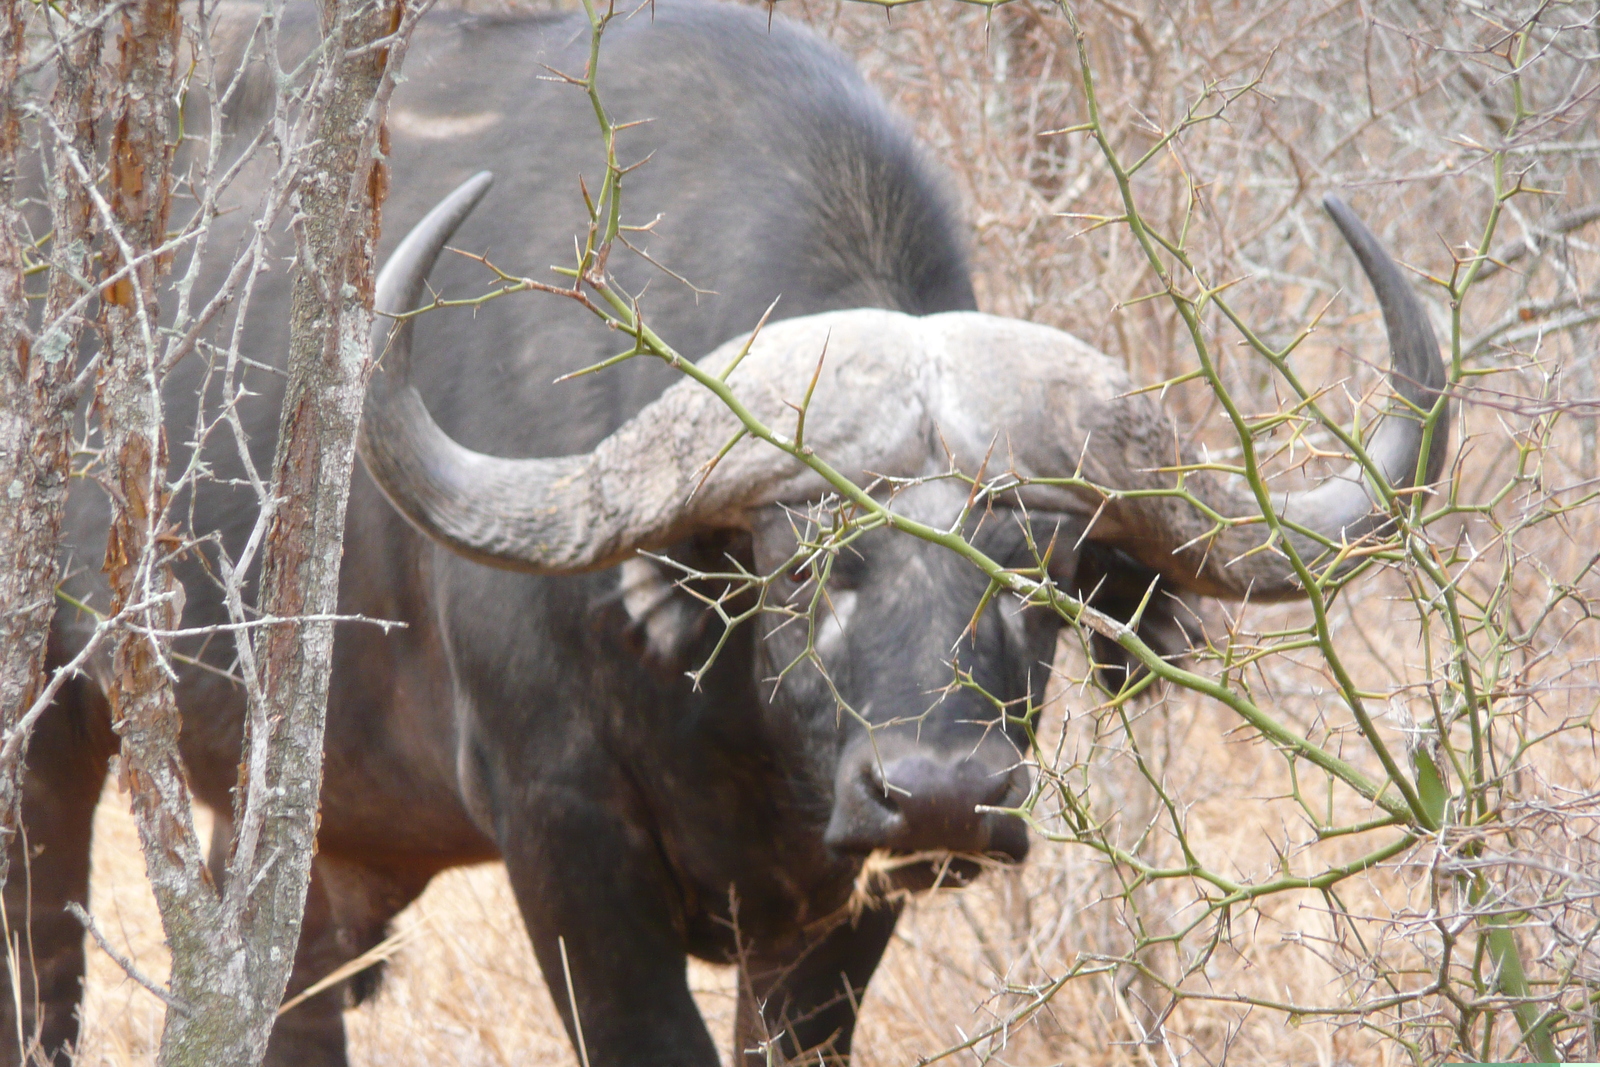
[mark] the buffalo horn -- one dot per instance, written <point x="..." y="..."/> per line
<point x="891" y="395"/>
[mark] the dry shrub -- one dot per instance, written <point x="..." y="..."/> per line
<point x="1406" y="107"/>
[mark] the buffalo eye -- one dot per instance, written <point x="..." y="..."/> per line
<point x="800" y="573"/>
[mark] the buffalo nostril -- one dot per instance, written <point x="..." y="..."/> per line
<point x="865" y="813"/>
<point x="937" y="801"/>
<point x="916" y="801"/>
<point x="882" y="793"/>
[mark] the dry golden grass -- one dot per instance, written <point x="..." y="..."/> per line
<point x="1392" y="99"/>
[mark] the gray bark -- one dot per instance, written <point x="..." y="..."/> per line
<point x="337" y="205"/>
<point x="144" y="593"/>
<point x="233" y="951"/>
<point x="27" y="549"/>
<point x="36" y="386"/>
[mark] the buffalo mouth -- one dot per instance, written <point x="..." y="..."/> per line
<point x="905" y="847"/>
<point x="886" y="875"/>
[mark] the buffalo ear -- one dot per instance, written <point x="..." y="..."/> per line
<point x="661" y="622"/>
<point x="1115" y="583"/>
<point x="667" y="623"/>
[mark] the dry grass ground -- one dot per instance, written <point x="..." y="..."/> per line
<point x="1399" y="103"/>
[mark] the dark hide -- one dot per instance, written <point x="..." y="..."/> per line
<point x="547" y="721"/>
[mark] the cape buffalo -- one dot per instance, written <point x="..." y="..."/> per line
<point x="535" y="707"/>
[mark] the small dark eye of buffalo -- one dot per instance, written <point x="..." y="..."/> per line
<point x="800" y="574"/>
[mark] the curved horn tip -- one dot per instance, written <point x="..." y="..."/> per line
<point x="452" y="211"/>
<point x="1355" y="231"/>
<point x="400" y="282"/>
<point x="475" y="186"/>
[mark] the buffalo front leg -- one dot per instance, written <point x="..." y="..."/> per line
<point x="50" y="870"/>
<point x="801" y="1007"/>
<point x="590" y="881"/>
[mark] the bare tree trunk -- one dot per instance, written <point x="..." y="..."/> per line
<point x="337" y="207"/>
<point x="36" y="390"/>
<point x="27" y="543"/>
<point x="144" y="592"/>
<point x="233" y="953"/>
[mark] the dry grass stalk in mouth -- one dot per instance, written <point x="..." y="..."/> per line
<point x="1398" y="103"/>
